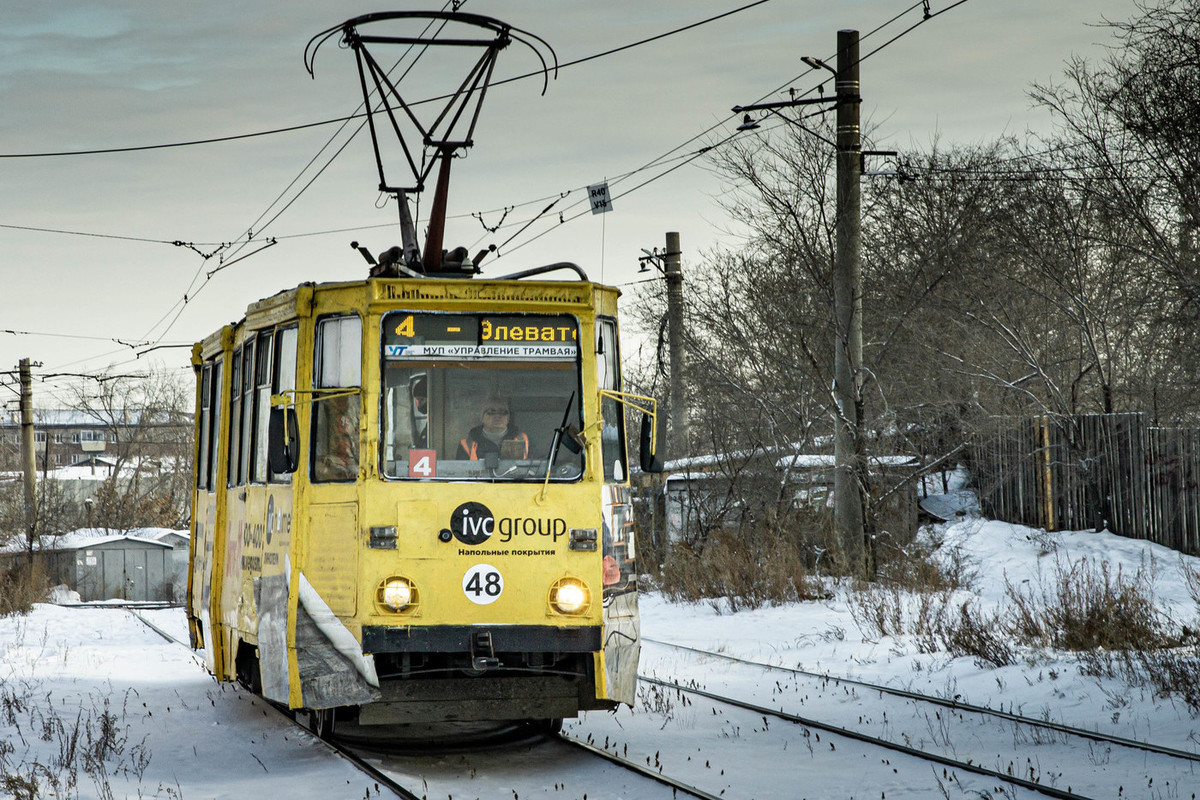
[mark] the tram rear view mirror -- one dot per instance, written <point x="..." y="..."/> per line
<point x="283" y="457"/>
<point x="651" y="454"/>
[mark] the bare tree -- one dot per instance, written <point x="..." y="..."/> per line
<point x="149" y="426"/>
<point x="1130" y="133"/>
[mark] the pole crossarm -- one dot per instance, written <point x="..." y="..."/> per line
<point x="804" y="101"/>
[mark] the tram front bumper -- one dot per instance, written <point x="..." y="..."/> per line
<point x="467" y="638"/>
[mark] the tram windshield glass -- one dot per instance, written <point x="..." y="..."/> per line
<point x="480" y="396"/>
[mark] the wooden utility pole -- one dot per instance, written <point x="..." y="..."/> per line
<point x="28" y="456"/>
<point x="847" y="294"/>
<point x="673" y="271"/>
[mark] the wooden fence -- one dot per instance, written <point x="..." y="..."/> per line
<point x="1093" y="471"/>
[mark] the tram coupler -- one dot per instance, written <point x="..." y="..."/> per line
<point x="483" y="657"/>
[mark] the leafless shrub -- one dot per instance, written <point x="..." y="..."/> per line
<point x="877" y="610"/>
<point x="1087" y="606"/>
<point x="922" y="566"/>
<point x="913" y="595"/>
<point x="1171" y="673"/>
<point x="739" y="570"/>
<point x="982" y="636"/>
<point x="880" y="610"/>
<point x="1172" y="670"/>
<point x="1110" y="619"/>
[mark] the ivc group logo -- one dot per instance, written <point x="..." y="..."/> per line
<point x="472" y="523"/>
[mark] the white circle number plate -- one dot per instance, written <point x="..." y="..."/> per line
<point x="483" y="584"/>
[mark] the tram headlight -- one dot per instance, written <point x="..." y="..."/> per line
<point x="569" y="596"/>
<point x="397" y="594"/>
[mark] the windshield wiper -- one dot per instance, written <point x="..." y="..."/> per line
<point x="564" y="433"/>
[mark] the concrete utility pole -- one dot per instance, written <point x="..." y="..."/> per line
<point x="28" y="456"/>
<point x="849" y="458"/>
<point x="673" y="271"/>
<point x="847" y="294"/>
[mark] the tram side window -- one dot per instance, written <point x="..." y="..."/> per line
<point x="214" y="428"/>
<point x="235" y="416"/>
<point x="335" y="410"/>
<point x="202" y="481"/>
<point x="262" y="408"/>
<point x="283" y="380"/>
<point x="247" y="420"/>
<point x="612" y="435"/>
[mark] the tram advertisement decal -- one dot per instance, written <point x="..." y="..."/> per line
<point x="494" y="336"/>
<point x="474" y="524"/>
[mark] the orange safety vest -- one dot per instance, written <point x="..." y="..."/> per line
<point x="472" y="447"/>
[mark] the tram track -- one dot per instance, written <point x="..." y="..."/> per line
<point x="645" y="771"/>
<point x="1000" y="745"/>
<point x="396" y="767"/>
<point x="344" y="751"/>
<point x="371" y="756"/>
<point x="954" y="705"/>
<point x="935" y="758"/>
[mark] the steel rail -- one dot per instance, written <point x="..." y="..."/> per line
<point x="955" y="705"/>
<point x="380" y="776"/>
<point x="807" y="722"/>
<point x="342" y="751"/>
<point x="645" y="772"/>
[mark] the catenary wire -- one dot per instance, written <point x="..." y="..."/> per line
<point x="356" y="115"/>
<point x="345" y="120"/>
<point x="192" y="289"/>
<point x="178" y="308"/>
<point x="688" y="158"/>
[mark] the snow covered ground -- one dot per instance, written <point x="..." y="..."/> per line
<point x="93" y="704"/>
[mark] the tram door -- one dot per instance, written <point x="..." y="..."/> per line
<point x="622" y="643"/>
<point x="331" y="560"/>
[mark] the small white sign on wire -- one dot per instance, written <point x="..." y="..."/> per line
<point x="601" y="199"/>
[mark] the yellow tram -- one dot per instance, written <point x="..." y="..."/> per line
<point x="412" y="501"/>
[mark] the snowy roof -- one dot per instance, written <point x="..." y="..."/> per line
<point x="92" y="537"/>
<point x="793" y="460"/>
<point x="67" y="543"/>
<point x="949" y="506"/>
<point x="827" y="460"/>
<point x="102" y="471"/>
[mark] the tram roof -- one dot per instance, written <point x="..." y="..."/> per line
<point x="578" y="294"/>
<point x="456" y="293"/>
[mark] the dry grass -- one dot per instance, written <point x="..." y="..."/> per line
<point x="1088" y="606"/>
<point x="92" y="747"/>
<point x="1171" y="670"/>
<point x="736" y="571"/>
<point x="1085" y="606"/>
<point x="1107" y="616"/>
<point x="20" y="588"/>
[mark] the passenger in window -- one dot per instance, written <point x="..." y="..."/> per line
<point x="498" y="435"/>
<point x="338" y="457"/>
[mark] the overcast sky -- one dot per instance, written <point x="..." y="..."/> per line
<point x="97" y="74"/>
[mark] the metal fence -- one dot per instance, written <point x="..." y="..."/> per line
<point x="1092" y="471"/>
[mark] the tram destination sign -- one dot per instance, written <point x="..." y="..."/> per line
<point x="519" y="337"/>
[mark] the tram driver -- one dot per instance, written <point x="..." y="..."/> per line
<point x="496" y="436"/>
<point x="420" y="412"/>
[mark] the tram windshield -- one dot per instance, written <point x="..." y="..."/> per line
<point x="479" y="396"/>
